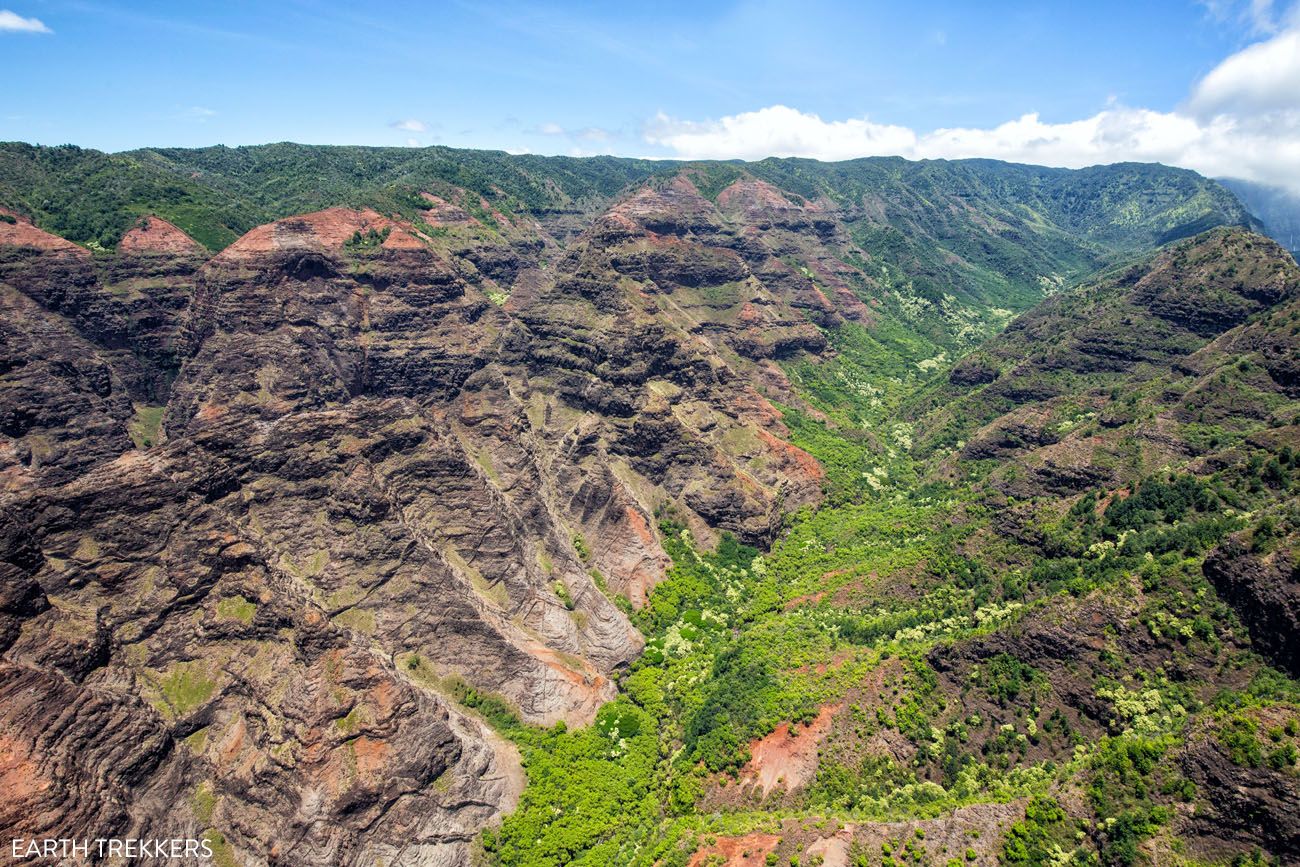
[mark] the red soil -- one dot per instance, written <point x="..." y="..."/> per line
<point x="747" y="851"/>
<point x="20" y="774"/>
<point x="372" y="756"/>
<point x="327" y="230"/>
<point x="639" y="525"/>
<point x="796" y="456"/>
<point x="155" y="235"/>
<point x="807" y="598"/>
<point x="23" y="234"/>
<point x="1104" y="502"/>
<point x="787" y="758"/>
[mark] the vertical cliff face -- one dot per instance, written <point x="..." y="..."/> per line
<point x="267" y="514"/>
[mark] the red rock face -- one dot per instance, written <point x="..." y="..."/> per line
<point x="755" y="197"/>
<point x="155" y="235"/>
<point x="21" y="233"/>
<point x="324" y="231"/>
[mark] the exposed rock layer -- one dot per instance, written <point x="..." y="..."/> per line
<point x="266" y="514"/>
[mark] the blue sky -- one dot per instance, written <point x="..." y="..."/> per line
<point x="655" y="79"/>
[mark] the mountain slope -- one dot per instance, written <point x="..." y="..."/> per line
<point x="1129" y="355"/>
<point x="967" y="667"/>
<point x="641" y="482"/>
<point x="962" y="245"/>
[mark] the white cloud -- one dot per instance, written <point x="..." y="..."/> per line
<point x="410" y="125"/>
<point x="1259" y="17"/>
<point x="12" y="22"/>
<point x="1242" y="120"/>
<point x="1260" y="78"/>
<point x="590" y="133"/>
<point x="778" y="131"/>
<point x="197" y="113"/>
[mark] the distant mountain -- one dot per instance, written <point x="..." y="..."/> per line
<point x="1114" y="379"/>
<point x="957" y="246"/>
<point x="1277" y="208"/>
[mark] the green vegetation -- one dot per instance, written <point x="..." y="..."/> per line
<point x="370" y="240"/>
<point x="237" y="608"/>
<point x="712" y="178"/>
<point x="203" y="802"/>
<point x="1044" y="836"/>
<point x="146" y="427"/>
<point x="217" y="193"/>
<point x="874" y="606"/>
<point x="186" y="686"/>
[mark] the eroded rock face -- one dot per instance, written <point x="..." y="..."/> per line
<point x="1248" y="807"/>
<point x="1264" y="588"/>
<point x="218" y="691"/>
<point x="264" y="515"/>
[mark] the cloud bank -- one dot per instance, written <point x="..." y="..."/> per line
<point x="410" y="125"/>
<point x="1242" y="120"/>
<point x="12" y="22"/>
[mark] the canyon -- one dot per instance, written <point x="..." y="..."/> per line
<point x="293" y="517"/>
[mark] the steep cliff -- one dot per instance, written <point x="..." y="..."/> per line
<point x="271" y="514"/>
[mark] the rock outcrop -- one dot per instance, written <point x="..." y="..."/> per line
<point x="1263" y="587"/>
<point x="270" y="516"/>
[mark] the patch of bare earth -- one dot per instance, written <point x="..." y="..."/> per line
<point x="155" y="235"/>
<point x="788" y="756"/>
<point x="328" y="230"/>
<point x="21" y="233"/>
<point x="747" y="851"/>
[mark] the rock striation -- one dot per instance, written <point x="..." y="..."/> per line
<point x="270" y="517"/>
